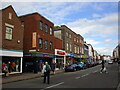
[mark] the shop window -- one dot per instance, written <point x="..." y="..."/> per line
<point x="0" y="64"/>
<point x="13" y="64"/>
<point x="8" y="35"/>
<point x="46" y="44"/>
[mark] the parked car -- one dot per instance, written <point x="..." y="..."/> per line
<point x="110" y="62"/>
<point x="81" y="66"/>
<point x="87" y="64"/>
<point x="92" y="64"/>
<point x="71" y="67"/>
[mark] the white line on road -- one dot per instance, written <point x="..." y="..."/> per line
<point x="77" y="77"/>
<point x="95" y="71"/>
<point x="84" y="75"/>
<point x="55" y="85"/>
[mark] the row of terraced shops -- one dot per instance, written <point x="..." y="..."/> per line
<point x="28" y="41"/>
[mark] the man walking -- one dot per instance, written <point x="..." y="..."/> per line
<point x="46" y="71"/>
<point x="103" y="67"/>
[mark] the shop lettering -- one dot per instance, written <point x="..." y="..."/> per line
<point x="61" y="52"/>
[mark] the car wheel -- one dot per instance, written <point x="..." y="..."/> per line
<point x="75" y="69"/>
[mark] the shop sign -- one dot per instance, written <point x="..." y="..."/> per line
<point x="33" y="50"/>
<point x="38" y="55"/>
<point x="34" y="39"/>
<point x="40" y="61"/>
<point x="61" y="52"/>
<point x="46" y="55"/>
<point x="71" y="54"/>
<point x="29" y="54"/>
<point x="54" y="56"/>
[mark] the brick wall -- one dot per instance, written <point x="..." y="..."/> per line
<point x="32" y="24"/>
<point x="17" y="31"/>
<point x="58" y="44"/>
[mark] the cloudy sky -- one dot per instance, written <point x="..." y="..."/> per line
<point x="97" y="22"/>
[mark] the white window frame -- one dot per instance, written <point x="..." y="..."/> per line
<point x="40" y="42"/>
<point x="51" y="31"/>
<point x="66" y="34"/>
<point x="41" y="25"/>
<point x="67" y="46"/>
<point x="46" y="28"/>
<point x="10" y="15"/>
<point x="46" y="44"/>
<point x="8" y="34"/>
<point x="51" y="46"/>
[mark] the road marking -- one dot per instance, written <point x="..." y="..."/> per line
<point x="84" y="75"/>
<point x="55" y="85"/>
<point x="95" y="71"/>
<point x="77" y="77"/>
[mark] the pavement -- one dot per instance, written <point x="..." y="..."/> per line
<point x="25" y="76"/>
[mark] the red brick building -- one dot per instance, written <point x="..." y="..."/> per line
<point x="12" y="40"/>
<point x="58" y="43"/>
<point x="72" y="43"/>
<point x="38" y="41"/>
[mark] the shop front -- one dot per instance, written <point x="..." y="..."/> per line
<point x="33" y="62"/>
<point x="70" y="58"/>
<point x="77" y="58"/>
<point x="60" y="59"/>
<point x="13" y="60"/>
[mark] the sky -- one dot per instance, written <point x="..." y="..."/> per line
<point x="97" y="22"/>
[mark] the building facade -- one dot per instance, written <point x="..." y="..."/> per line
<point x="38" y="42"/>
<point x="60" y="55"/>
<point x="12" y="40"/>
<point x="72" y="43"/>
<point x="91" y="53"/>
<point x="116" y="53"/>
<point x="86" y="50"/>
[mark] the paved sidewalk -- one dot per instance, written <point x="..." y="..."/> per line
<point x="25" y="76"/>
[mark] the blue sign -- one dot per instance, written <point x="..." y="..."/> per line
<point x="27" y="54"/>
<point x="71" y="54"/>
<point x="46" y="55"/>
<point x="40" y="61"/>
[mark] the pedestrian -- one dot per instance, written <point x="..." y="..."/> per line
<point x="103" y="69"/>
<point x="9" y="67"/>
<point x="4" y="69"/>
<point x="13" y="65"/>
<point x="53" y="68"/>
<point x="46" y="70"/>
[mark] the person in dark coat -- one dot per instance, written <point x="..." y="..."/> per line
<point x="103" y="67"/>
<point x="46" y="70"/>
<point x="53" y="68"/>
